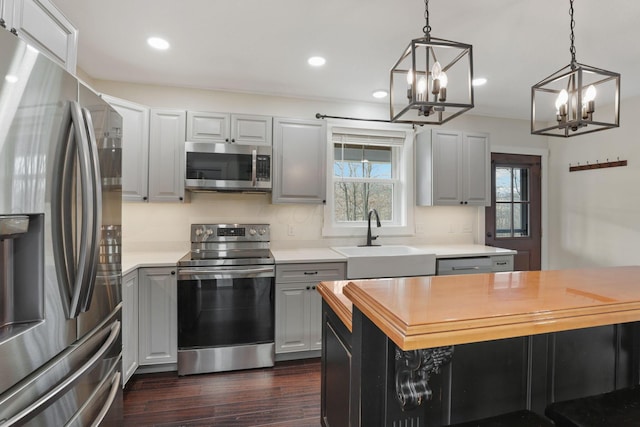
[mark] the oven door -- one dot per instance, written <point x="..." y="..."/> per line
<point x="225" y="318"/>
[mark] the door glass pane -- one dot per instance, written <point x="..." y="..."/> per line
<point x="503" y="219"/>
<point x="503" y="184"/>
<point x="521" y="220"/>
<point x="520" y="184"/>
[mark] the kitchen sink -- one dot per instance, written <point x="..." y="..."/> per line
<point x="368" y="262"/>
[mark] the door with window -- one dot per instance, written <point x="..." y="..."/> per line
<point x="513" y="221"/>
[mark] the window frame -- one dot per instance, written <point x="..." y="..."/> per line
<point x="402" y="223"/>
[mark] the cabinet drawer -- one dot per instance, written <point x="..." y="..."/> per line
<point x="502" y="263"/>
<point x="310" y="272"/>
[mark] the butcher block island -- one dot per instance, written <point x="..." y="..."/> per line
<point x="433" y="351"/>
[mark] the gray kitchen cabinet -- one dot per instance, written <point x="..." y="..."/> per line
<point x="299" y="305"/>
<point x="240" y="129"/>
<point x="135" y="148"/>
<point x="41" y="24"/>
<point x="129" y="325"/>
<point x="453" y="168"/>
<point x="166" y="155"/>
<point x="299" y="161"/>
<point x="158" y="316"/>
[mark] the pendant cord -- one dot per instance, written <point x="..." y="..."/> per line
<point x="572" y="38"/>
<point x="427" y="28"/>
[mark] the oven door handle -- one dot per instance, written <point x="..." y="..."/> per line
<point x="224" y="273"/>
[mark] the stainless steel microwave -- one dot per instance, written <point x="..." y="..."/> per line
<point x="227" y="167"/>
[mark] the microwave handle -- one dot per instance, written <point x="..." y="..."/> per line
<point x="254" y="166"/>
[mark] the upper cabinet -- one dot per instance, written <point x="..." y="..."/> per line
<point x="135" y="148"/>
<point x="229" y="128"/>
<point x="299" y="161"/>
<point x="42" y="25"/>
<point x="453" y="168"/>
<point x="166" y="155"/>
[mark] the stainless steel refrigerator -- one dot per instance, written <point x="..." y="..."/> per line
<point x="60" y="271"/>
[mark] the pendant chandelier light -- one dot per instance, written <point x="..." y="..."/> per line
<point x="431" y="82"/>
<point x="575" y="100"/>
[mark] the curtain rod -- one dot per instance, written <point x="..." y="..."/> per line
<point x="324" y="116"/>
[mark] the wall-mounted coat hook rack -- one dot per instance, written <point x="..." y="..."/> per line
<point x="598" y="165"/>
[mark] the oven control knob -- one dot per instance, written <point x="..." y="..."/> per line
<point x="262" y="231"/>
<point x="198" y="231"/>
<point x="208" y="232"/>
<point x="252" y="231"/>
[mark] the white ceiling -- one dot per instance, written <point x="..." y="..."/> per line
<point x="262" y="45"/>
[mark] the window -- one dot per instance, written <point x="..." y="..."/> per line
<point x="369" y="169"/>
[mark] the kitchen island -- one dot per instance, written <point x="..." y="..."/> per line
<point x="439" y="350"/>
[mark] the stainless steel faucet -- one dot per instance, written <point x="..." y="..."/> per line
<point x="370" y="238"/>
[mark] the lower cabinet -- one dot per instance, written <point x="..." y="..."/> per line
<point x="299" y="305"/>
<point x="158" y="316"/>
<point x="130" y="325"/>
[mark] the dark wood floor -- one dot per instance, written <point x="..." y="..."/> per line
<point x="287" y="395"/>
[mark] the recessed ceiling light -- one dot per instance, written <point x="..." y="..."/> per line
<point x="316" y="61"/>
<point x="11" y="78"/>
<point x="479" y="81"/>
<point x="380" y="93"/>
<point x="158" y="43"/>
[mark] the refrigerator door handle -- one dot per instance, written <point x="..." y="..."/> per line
<point x="54" y="394"/>
<point x="87" y="226"/>
<point x="61" y="189"/>
<point x="115" y="386"/>
<point x="96" y="212"/>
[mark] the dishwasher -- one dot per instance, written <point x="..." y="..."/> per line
<point x="474" y="265"/>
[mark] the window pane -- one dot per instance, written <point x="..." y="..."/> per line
<point x="503" y="219"/>
<point x="503" y="184"/>
<point x="521" y="219"/>
<point x="362" y="161"/>
<point x="353" y="200"/>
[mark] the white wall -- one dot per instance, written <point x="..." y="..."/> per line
<point x="149" y="226"/>
<point x="595" y="214"/>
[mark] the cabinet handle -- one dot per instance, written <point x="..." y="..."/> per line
<point x="313" y="287"/>
<point x="310" y="273"/>
<point x="461" y="202"/>
<point x="466" y="203"/>
<point x="173" y="273"/>
<point x="308" y="287"/>
<point x="226" y="140"/>
<point x="501" y="263"/>
<point x="144" y="198"/>
<point x="233" y="140"/>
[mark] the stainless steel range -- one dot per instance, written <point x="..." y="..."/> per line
<point x="226" y="294"/>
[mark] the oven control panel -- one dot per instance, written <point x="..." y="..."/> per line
<point x="230" y="233"/>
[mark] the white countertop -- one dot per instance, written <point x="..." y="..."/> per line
<point x="302" y="255"/>
<point x="137" y="259"/>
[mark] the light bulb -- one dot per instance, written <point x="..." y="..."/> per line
<point x="436" y="70"/>
<point x="443" y="80"/>
<point x="562" y="99"/>
<point x="590" y="94"/>
<point x="422" y="85"/>
<point x="410" y="77"/>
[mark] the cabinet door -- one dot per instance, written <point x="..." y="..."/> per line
<point x="251" y="130"/>
<point x="315" y="319"/>
<point x="158" y="316"/>
<point x="292" y="317"/>
<point x="130" y="325"/>
<point x="447" y="167"/>
<point x="135" y="148"/>
<point x="166" y="155"/>
<point x="476" y="169"/>
<point x="41" y="24"/>
<point x="207" y="127"/>
<point x="299" y="161"/>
